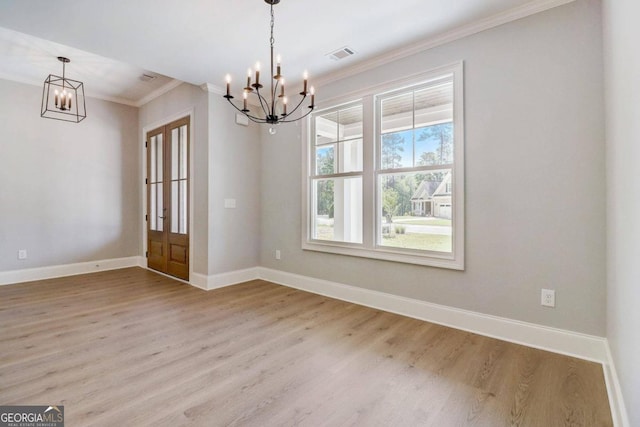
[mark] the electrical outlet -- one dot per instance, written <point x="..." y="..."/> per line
<point x="22" y="254"/>
<point x="277" y="253"/>
<point x="548" y="298"/>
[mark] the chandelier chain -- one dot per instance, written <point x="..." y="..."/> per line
<point x="272" y="40"/>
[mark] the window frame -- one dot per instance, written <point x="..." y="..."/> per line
<point x="369" y="248"/>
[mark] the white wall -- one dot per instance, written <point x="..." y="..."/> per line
<point x="622" y="80"/>
<point x="66" y="192"/>
<point x="535" y="177"/>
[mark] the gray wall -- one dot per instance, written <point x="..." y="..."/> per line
<point x="535" y="177"/>
<point x="234" y="237"/>
<point x="226" y="166"/>
<point x="622" y="79"/>
<point x="66" y="189"/>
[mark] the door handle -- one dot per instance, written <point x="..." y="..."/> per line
<point x="163" y="217"/>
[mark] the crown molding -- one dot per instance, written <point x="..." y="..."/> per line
<point x="475" y="27"/>
<point x="211" y="88"/>
<point x="156" y="93"/>
<point x="159" y="92"/>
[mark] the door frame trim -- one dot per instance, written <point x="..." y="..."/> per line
<point x="143" y="187"/>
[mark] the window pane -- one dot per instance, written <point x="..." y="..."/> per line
<point x="327" y="128"/>
<point x="434" y="104"/>
<point x="397" y="113"/>
<point x="416" y="211"/>
<point x="350" y="158"/>
<point x="434" y="145"/>
<point x="325" y="160"/>
<point x="396" y="150"/>
<point x="338" y="209"/>
<point x="350" y="123"/>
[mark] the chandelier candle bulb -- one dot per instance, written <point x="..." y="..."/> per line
<point x="228" y="78"/>
<point x="248" y="79"/>
<point x="244" y="102"/>
<point x="284" y="102"/>
<point x="306" y="77"/>
<point x="313" y="97"/>
<point x="278" y="74"/>
<point x="69" y="102"/>
<point x="281" y="88"/>
<point x="257" y="74"/>
<point x="57" y="99"/>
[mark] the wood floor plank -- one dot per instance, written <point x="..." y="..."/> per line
<point x="130" y="347"/>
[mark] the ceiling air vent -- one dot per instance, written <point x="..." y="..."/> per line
<point x="341" y="53"/>
<point x="148" y="77"/>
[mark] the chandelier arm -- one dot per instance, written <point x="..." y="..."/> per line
<point x="296" y="119"/>
<point x="252" y="118"/>
<point x="263" y="102"/>
<point x="297" y="106"/>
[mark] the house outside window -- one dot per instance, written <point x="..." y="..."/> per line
<point x="384" y="176"/>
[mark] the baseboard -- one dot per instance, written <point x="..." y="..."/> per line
<point x="532" y="335"/>
<point x="616" y="400"/>
<point x="215" y="281"/>
<point x="53" y="271"/>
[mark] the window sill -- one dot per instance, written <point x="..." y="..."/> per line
<point x="434" y="259"/>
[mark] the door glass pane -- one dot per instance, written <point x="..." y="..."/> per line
<point x="152" y="160"/>
<point x="158" y="158"/>
<point x="174" y="206"/>
<point x="175" y="144"/>
<point x="159" y="206"/>
<point x="183" y="207"/>
<point x="183" y="152"/>
<point x="153" y="215"/>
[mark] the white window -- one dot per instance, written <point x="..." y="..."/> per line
<point x="384" y="176"/>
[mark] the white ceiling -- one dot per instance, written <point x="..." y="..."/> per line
<point x="199" y="41"/>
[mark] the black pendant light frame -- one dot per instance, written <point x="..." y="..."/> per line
<point x="69" y="108"/>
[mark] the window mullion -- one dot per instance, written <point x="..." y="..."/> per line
<point x="369" y="168"/>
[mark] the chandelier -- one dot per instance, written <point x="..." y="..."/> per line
<point x="274" y="105"/>
<point x="63" y="98"/>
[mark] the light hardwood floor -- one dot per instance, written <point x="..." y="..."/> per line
<point x="133" y="348"/>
